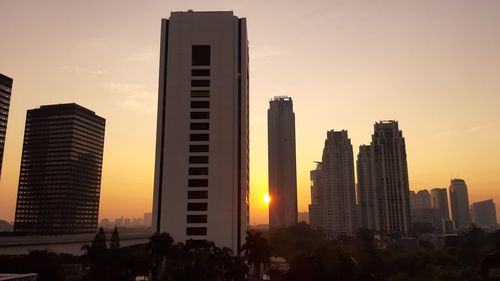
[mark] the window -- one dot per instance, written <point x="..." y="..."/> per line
<point x="201" y="55"/>
<point x="198" y="171"/>
<point x="198" y="194"/>
<point x="200" y="94"/>
<point x="200" y="104"/>
<point x="198" y="137"/>
<point x="200" y="83"/>
<point x="198" y="148"/>
<point x="200" y="115"/>
<point x="200" y="72"/>
<point x="196" y="218"/>
<point x="198" y="159"/>
<point x="196" y="231"/>
<point x="196" y="243"/>
<point x="197" y="206"/>
<point x="199" y="126"/>
<point x="197" y="182"/>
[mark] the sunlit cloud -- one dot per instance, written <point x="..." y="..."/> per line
<point x="464" y="131"/>
<point x="76" y="69"/>
<point x="134" y="97"/>
<point x="265" y="55"/>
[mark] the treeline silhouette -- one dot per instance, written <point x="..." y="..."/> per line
<point x="472" y="256"/>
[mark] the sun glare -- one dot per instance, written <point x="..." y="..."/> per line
<point x="267" y="198"/>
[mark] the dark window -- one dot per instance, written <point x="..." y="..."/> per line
<point x="200" y="94"/>
<point x="200" y="72"/>
<point x="197" y="206"/>
<point x="200" y="83"/>
<point x="201" y="55"/>
<point x="198" y="137"/>
<point x="198" y="171"/>
<point x="196" y="243"/>
<point x="200" y="115"/>
<point x="196" y="218"/>
<point x="198" y="194"/>
<point x="200" y="104"/>
<point x="199" y="126"/>
<point x="196" y="231"/>
<point x="197" y="182"/>
<point x="198" y="148"/>
<point x="198" y="159"/>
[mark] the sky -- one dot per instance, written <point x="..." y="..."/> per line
<point x="432" y="65"/>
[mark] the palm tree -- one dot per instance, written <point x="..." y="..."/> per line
<point x="257" y="252"/>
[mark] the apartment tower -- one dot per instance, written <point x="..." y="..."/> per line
<point x="60" y="178"/>
<point x="5" y="92"/>
<point x="335" y="178"/>
<point x="390" y="169"/>
<point x="281" y="157"/>
<point x="201" y="181"/>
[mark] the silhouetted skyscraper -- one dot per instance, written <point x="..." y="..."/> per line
<point x="459" y="202"/>
<point x="336" y="173"/>
<point x="391" y="179"/>
<point x="367" y="196"/>
<point x="5" y="93"/>
<point x="201" y="175"/>
<point x="281" y="157"/>
<point x="60" y="179"/>
<point x="439" y="198"/>
<point x="316" y="208"/>
<point x="484" y="214"/>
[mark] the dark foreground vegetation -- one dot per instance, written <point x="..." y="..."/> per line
<point x="472" y="256"/>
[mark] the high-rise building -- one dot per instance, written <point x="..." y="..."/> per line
<point x="60" y="178"/>
<point x="413" y="199"/>
<point x="367" y="197"/>
<point x="389" y="164"/>
<point x="201" y="182"/>
<point x="423" y="199"/>
<point x="5" y="92"/>
<point x="439" y="198"/>
<point x="459" y="202"/>
<point x="484" y="214"/>
<point x="336" y="172"/>
<point x="316" y="208"/>
<point x="281" y="157"/>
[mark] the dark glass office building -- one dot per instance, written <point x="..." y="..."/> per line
<point x="5" y="92"/>
<point x="60" y="179"/>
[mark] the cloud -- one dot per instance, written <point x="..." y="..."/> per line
<point x="464" y="131"/>
<point x="265" y="55"/>
<point x="76" y="69"/>
<point x="134" y="97"/>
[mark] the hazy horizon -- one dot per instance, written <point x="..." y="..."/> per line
<point x="433" y="66"/>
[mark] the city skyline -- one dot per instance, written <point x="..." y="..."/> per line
<point x="109" y="64"/>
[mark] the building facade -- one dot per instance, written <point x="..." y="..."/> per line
<point x="281" y="163"/>
<point x="439" y="198"/>
<point x="423" y="199"/>
<point x="388" y="150"/>
<point x="5" y="93"/>
<point x="484" y="214"/>
<point x="60" y="178"/>
<point x="459" y="203"/>
<point x="201" y="181"/>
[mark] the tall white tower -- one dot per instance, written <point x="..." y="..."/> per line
<point x="201" y="173"/>
<point x="282" y="165"/>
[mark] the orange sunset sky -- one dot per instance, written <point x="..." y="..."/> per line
<point x="432" y="65"/>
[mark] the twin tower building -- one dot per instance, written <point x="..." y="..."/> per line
<point x="201" y="186"/>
